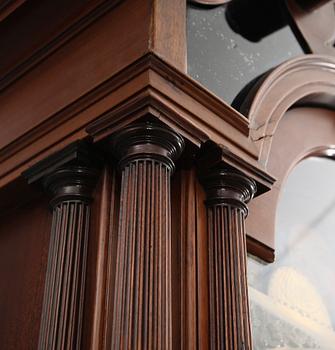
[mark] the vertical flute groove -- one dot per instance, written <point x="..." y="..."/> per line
<point x="64" y="294"/>
<point x="144" y="259"/>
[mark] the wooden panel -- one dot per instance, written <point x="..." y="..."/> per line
<point x="31" y="43"/>
<point x="110" y="44"/>
<point x="194" y="274"/>
<point x="202" y="269"/>
<point x="101" y="261"/>
<point x="178" y="319"/>
<point x="169" y="32"/>
<point x="24" y="240"/>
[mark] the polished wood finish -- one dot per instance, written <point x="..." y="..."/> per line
<point x="190" y="260"/>
<point x="227" y="195"/>
<point x="101" y="262"/>
<point x="24" y="240"/>
<point x="317" y="125"/>
<point x="314" y="22"/>
<point x="70" y="188"/>
<point x="142" y="310"/>
<point x="305" y="81"/>
<point x="96" y="72"/>
<point x="46" y="120"/>
<point x="168" y="35"/>
<point x="142" y="86"/>
<point x="74" y="47"/>
<point x="33" y="45"/>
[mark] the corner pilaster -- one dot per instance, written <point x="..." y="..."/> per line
<point x="228" y="192"/>
<point x="69" y="178"/>
<point x="142" y="316"/>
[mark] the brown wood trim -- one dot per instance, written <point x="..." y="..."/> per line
<point x="168" y="32"/>
<point x="314" y="23"/>
<point x="262" y="251"/>
<point x="101" y="273"/>
<point x="315" y="127"/>
<point x="202" y="253"/>
<point x="189" y="261"/>
<point x="181" y="101"/>
<point x="308" y="78"/>
<point x="88" y="15"/>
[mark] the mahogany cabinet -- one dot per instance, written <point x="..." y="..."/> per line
<point x="141" y="160"/>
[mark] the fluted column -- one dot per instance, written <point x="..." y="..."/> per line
<point x="70" y="188"/>
<point x="227" y="194"/>
<point x="142" y="313"/>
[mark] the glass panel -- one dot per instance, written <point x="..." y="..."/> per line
<point x="293" y="299"/>
<point x="224" y="61"/>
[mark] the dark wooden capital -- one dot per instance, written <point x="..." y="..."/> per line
<point x="227" y="187"/>
<point x="142" y="310"/>
<point x="228" y="192"/>
<point x="147" y="141"/>
<point x="69" y="177"/>
<point x="71" y="183"/>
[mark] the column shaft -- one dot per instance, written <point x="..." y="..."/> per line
<point x="64" y="290"/>
<point x="227" y="195"/>
<point x="142" y="315"/>
<point x="229" y="307"/>
<point x="70" y="188"/>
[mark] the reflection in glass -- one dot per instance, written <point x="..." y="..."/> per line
<point x="224" y="61"/>
<point x="293" y="299"/>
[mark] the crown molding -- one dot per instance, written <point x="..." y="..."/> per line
<point x="148" y="86"/>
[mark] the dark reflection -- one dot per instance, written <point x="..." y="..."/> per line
<point x="224" y="61"/>
<point x="254" y="20"/>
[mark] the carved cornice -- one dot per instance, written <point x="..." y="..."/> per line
<point x="147" y="141"/>
<point x="149" y="86"/>
<point x="160" y="72"/>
